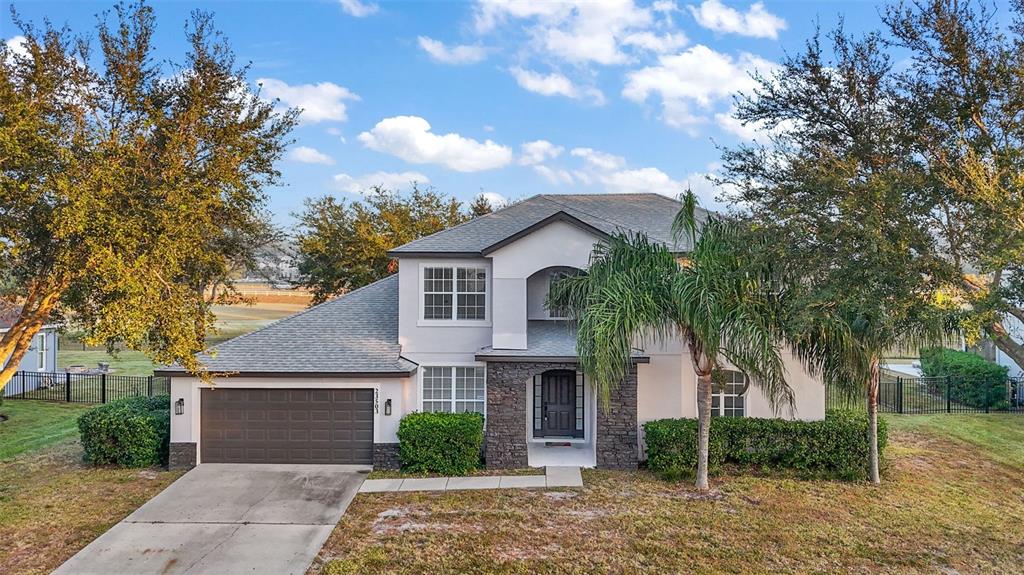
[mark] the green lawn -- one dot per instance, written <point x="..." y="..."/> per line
<point x="951" y="501"/>
<point x="34" y="425"/>
<point x="232" y="321"/>
<point x="999" y="435"/>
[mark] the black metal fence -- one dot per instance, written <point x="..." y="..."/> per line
<point x="83" y="387"/>
<point x="921" y="395"/>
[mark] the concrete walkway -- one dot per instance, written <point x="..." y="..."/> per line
<point x="553" y="477"/>
<point x="227" y="519"/>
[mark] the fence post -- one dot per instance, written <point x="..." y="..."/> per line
<point x="150" y="382"/>
<point x="103" y="388"/>
<point x="988" y="393"/>
<point x="67" y="386"/>
<point x="949" y="391"/>
<point x="899" y="395"/>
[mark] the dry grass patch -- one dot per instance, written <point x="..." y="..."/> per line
<point x="52" y="504"/>
<point x="945" y="507"/>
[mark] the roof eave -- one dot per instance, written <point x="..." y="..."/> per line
<point x="294" y="374"/>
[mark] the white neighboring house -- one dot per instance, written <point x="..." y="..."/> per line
<point x="1016" y="330"/>
<point x="462" y="326"/>
<point x="40" y="357"/>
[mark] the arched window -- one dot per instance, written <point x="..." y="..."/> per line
<point x="729" y="398"/>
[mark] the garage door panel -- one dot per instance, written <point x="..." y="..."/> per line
<point x="287" y="426"/>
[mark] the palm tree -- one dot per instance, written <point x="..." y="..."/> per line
<point x="719" y="300"/>
<point x="843" y="341"/>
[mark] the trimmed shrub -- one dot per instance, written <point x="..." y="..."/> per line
<point x="130" y="432"/>
<point x="836" y="447"/>
<point x="445" y="443"/>
<point x="973" y="380"/>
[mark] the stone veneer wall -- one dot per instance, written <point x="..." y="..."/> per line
<point x="506" y="440"/>
<point x="385" y="456"/>
<point x="181" y="456"/>
<point x="617" y="441"/>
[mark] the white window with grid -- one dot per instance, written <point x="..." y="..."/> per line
<point x="456" y="389"/>
<point x="454" y="293"/>
<point x="727" y="399"/>
<point x="41" y="352"/>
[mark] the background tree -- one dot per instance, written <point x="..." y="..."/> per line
<point x="480" y="206"/>
<point x="343" y="246"/>
<point x="721" y="302"/>
<point x="963" y="98"/>
<point x="846" y="204"/>
<point x="122" y="183"/>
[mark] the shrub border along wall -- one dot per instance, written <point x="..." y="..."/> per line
<point x="834" y="448"/>
<point x="130" y="432"/>
<point x="445" y="443"/>
<point x="973" y="380"/>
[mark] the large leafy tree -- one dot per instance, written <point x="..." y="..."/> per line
<point x="344" y="245"/>
<point x="962" y="96"/>
<point x="125" y="184"/>
<point x="720" y="300"/>
<point x="846" y="204"/>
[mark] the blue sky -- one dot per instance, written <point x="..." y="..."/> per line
<point x="508" y="98"/>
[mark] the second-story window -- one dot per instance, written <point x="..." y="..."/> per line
<point x="455" y="292"/>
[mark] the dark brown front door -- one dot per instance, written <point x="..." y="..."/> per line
<point x="286" y="426"/>
<point x="558" y="403"/>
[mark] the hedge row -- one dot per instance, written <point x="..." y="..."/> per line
<point x="836" y="447"/>
<point x="974" y="380"/>
<point x="445" y="443"/>
<point x="131" y="432"/>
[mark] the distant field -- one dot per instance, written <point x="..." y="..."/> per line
<point x="232" y="321"/>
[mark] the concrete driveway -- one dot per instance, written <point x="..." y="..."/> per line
<point x="227" y="518"/>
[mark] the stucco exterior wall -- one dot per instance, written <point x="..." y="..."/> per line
<point x="30" y="362"/>
<point x="185" y="428"/>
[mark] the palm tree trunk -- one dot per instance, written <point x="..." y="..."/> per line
<point x="703" y="430"/>
<point x="873" y="421"/>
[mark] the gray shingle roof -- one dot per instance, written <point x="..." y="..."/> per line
<point x="544" y="338"/>
<point x="648" y="213"/>
<point x="356" y="333"/>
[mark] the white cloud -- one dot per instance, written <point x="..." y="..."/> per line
<point x="698" y="76"/>
<point x="308" y="155"/>
<point x="410" y="138"/>
<point x="389" y="180"/>
<point x="555" y="84"/>
<point x="642" y="180"/>
<point x="555" y="176"/>
<point x="538" y="151"/>
<point x="496" y="200"/>
<point x="599" y="160"/>
<point x="652" y="42"/>
<point x="358" y="9"/>
<point x="756" y="22"/>
<point x="463" y="54"/>
<point x="17" y="45"/>
<point x="577" y="31"/>
<point x="319" y="102"/>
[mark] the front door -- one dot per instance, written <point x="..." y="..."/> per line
<point x="558" y="404"/>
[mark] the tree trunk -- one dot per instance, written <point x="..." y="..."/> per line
<point x="1006" y="344"/>
<point x="16" y="341"/>
<point x="703" y="430"/>
<point x="873" y="421"/>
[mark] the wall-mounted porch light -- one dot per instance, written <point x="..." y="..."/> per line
<point x="387" y="407"/>
<point x="179" y="406"/>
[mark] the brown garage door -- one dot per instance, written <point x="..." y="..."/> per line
<point x="287" y="425"/>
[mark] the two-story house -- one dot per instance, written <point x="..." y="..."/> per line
<point x="462" y="326"/>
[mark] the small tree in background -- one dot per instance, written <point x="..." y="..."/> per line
<point x="127" y="187"/>
<point x="344" y="245"/>
<point x="480" y="206"/>
<point x="720" y="301"/>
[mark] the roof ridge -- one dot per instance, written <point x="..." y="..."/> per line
<point x="301" y="313"/>
<point x="602" y="218"/>
<point x="470" y="220"/>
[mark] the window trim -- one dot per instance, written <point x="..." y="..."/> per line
<point x="41" y="351"/>
<point x="452" y="366"/>
<point x="721" y="395"/>
<point x="454" y="321"/>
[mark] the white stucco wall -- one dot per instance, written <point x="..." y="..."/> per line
<point x="556" y="244"/>
<point x="185" y="428"/>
